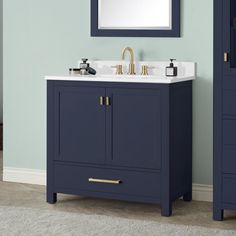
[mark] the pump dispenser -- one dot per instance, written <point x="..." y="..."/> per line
<point x="171" y="70"/>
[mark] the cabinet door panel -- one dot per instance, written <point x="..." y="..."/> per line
<point x="229" y="159"/>
<point x="229" y="98"/>
<point x="229" y="35"/>
<point x="135" y="126"/>
<point x="229" y="186"/>
<point x="80" y="125"/>
<point x="229" y="132"/>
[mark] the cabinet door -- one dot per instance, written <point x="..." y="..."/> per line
<point x="229" y="36"/>
<point x="79" y="125"/>
<point x="134" y="125"/>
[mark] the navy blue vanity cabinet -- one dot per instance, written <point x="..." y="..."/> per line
<point x="125" y="141"/>
<point x="224" y="108"/>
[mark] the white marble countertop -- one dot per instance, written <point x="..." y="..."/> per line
<point x="105" y="73"/>
<point x="123" y="78"/>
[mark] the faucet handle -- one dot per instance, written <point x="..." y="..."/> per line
<point x="145" y="69"/>
<point x="119" y="69"/>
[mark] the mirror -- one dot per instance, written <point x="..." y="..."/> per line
<point x="123" y="14"/>
<point x="142" y="18"/>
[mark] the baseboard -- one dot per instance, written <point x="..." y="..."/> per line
<point x="202" y="192"/>
<point x="27" y="176"/>
<point x="38" y="177"/>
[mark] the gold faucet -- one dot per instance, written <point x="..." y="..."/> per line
<point x="131" y="64"/>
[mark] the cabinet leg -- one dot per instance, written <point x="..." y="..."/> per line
<point x="166" y="209"/>
<point x="187" y="197"/>
<point x="51" y="197"/>
<point x="218" y="214"/>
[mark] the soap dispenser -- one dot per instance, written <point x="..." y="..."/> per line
<point x="85" y="68"/>
<point x="171" y="70"/>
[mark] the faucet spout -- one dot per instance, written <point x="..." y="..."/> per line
<point x="131" y="64"/>
<point x="130" y="50"/>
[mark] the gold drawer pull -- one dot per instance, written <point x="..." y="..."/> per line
<point x="105" y="181"/>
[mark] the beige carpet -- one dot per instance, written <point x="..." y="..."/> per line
<point x="30" y="222"/>
<point x="24" y="211"/>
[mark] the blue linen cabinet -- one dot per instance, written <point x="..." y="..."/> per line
<point x="224" y="107"/>
<point x="125" y="141"/>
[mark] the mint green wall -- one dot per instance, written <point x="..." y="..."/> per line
<point x="1" y="62"/>
<point x="47" y="37"/>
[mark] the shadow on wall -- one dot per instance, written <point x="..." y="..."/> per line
<point x="202" y="124"/>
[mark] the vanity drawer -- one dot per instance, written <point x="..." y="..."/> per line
<point x="75" y="178"/>
<point x="229" y="160"/>
<point x="229" y="189"/>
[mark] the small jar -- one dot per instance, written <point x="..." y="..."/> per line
<point x="74" y="71"/>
